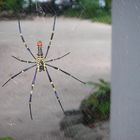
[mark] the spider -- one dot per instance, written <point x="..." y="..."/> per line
<point x="41" y="63"/>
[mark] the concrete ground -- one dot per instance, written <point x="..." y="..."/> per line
<point x="90" y="47"/>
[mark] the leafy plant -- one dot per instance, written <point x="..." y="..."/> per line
<point x="14" y="5"/>
<point x="89" y="9"/>
<point x="97" y="105"/>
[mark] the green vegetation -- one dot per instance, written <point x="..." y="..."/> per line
<point x="85" y="9"/>
<point x="14" y="5"/>
<point x="6" y="138"/>
<point x="89" y="9"/>
<point x="97" y="106"/>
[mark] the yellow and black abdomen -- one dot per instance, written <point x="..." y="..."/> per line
<point x="40" y="63"/>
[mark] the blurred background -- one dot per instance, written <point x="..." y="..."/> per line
<point x="96" y="10"/>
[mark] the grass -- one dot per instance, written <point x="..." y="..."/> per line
<point x="6" y="138"/>
<point x="103" y="18"/>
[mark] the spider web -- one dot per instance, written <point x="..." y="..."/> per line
<point x="44" y="21"/>
<point x="55" y="134"/>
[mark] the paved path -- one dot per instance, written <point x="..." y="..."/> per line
<point x="89" y="44"/>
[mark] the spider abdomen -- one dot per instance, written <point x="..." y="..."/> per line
<point x="40" y="63"/>
<point x="41" y="68"/>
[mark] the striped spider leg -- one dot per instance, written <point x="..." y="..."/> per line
<point x="23" y="40"/>
<point x="51" y="38"/>
<point x="56" y="68"/>
<point x="31" y="93"/>
<point x="54" y="89"/>
<point x="21" y="60"/>
<point x="14" y="76"/>
<point x="57" y="58"/>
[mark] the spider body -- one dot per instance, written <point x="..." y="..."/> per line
<point x="41" y="64"/>
<point x="40" y="60"/>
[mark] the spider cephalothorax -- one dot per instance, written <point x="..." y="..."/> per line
<point x="41" y="64"/>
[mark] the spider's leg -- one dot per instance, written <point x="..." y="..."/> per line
<point x="23" y="40"/>
<point x="31" y="93"/>
<point x="56" y="68"/>
<point x="21" y="60"/>
<point x="51" y="38"/>
<point x="56" y="94"/>
<point x="58" y="57"/>
<point x="18" y="74"/>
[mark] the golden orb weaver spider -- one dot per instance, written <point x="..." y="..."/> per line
<point x="41" y="64"/>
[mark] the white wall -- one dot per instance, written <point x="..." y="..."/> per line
<point x="125" y="108"/>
